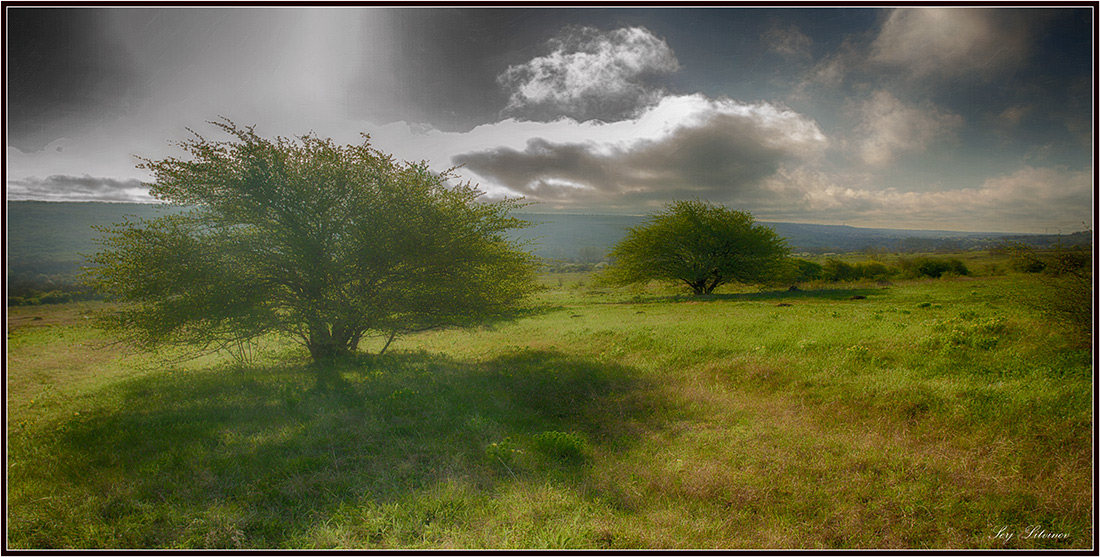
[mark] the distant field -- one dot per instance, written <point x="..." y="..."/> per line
<point x="924" y="414"/>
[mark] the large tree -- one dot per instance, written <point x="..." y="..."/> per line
<point x="326" y="243"/>
<point x="701" y="245"/>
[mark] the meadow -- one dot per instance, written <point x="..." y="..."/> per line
<point x="934" y="413"/>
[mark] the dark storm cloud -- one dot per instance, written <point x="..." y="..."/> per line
<point x="78" y="188"/>
<point x="446" y="60"/>
<point x="65" y="71"/>
<point x="724" y="158"/>
<point x="590" y="75"/>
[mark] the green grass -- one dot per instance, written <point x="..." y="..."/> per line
<point x="928" y="414"/>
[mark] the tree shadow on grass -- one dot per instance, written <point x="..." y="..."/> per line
<point x="255" y="457"/>
<point x="837" y="294"/>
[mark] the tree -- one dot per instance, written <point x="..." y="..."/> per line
<point x="328" y="244"/>
<point x="701" y="245"/>
<point x="1066" y="293"/>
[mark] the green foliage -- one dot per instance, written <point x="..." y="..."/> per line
<point x="325" y="243"/>
<point x="1028" y="265"/>
<point x="966" y="330"/>
<point x="700" y="245"/>
<point x="29" y="289"/>
<point x="807" y="270"/>
<point x="928" y="267"/>
<point x="56" y="296"/>
<point x="503" y="451"/>
<point x="835" y="270"/>
<point x="1064" y="274"/>
<point x="876" y="271"/>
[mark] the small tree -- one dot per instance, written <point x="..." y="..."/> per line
<point x="326" y="243"/>
<point x="701" y="245"/>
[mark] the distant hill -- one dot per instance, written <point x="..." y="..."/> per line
<point x="587" y="237"/>
<point x="49" y="238"/>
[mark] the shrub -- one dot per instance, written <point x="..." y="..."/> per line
<point x="1021" y="265"/>
<point x="875" y="270"/>
<point x="967" y="331"/>
<point x="835" y="271"/>
<point x="807" y="270"/>
<point x="56" y="297"/>
<point x="933" y="268"/>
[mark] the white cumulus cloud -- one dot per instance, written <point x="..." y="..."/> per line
<point x="590" y="75"/>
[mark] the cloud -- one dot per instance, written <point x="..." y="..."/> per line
<point x="951" y="42"/>
<point x="78" y="188"/>
<point x="788" y="41"/>
<point x="829" y="72"/>
<point x="590" y="75"/>
<point x="684" y="147"/>
<point x="889" y="127"/>
<point x="1004" y="203"/>
<point x="66" y="71"/>
<point x="1012" y="115"/>
<point x="926" y="47"/>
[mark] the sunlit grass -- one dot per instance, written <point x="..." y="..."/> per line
<point x="927" y="414"/>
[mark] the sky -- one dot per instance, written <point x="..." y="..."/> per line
<point x="941" y="118"/>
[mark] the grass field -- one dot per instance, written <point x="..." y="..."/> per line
<point x="924" y="414"/>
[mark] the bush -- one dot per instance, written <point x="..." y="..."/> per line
<point x="1028" y="265"/>
<point x="807" y="270"/>
<point x="56" y="297"/>
<point x="836" y="271"/>
<point x="876" y="271"/>
<point x="933" y="268"/>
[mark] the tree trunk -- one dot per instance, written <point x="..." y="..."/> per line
<point x="325" y="350"/>
<point x="393" y="335"/>
<point x="322" y="346"/>
<point x="328" y="343"/>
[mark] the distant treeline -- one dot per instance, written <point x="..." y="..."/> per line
<point x="834" y="270"/>
<point x="47" y="241"/>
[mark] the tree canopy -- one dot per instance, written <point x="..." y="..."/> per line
<point x="326" y="243"/>
<point x="701" y="245"/>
